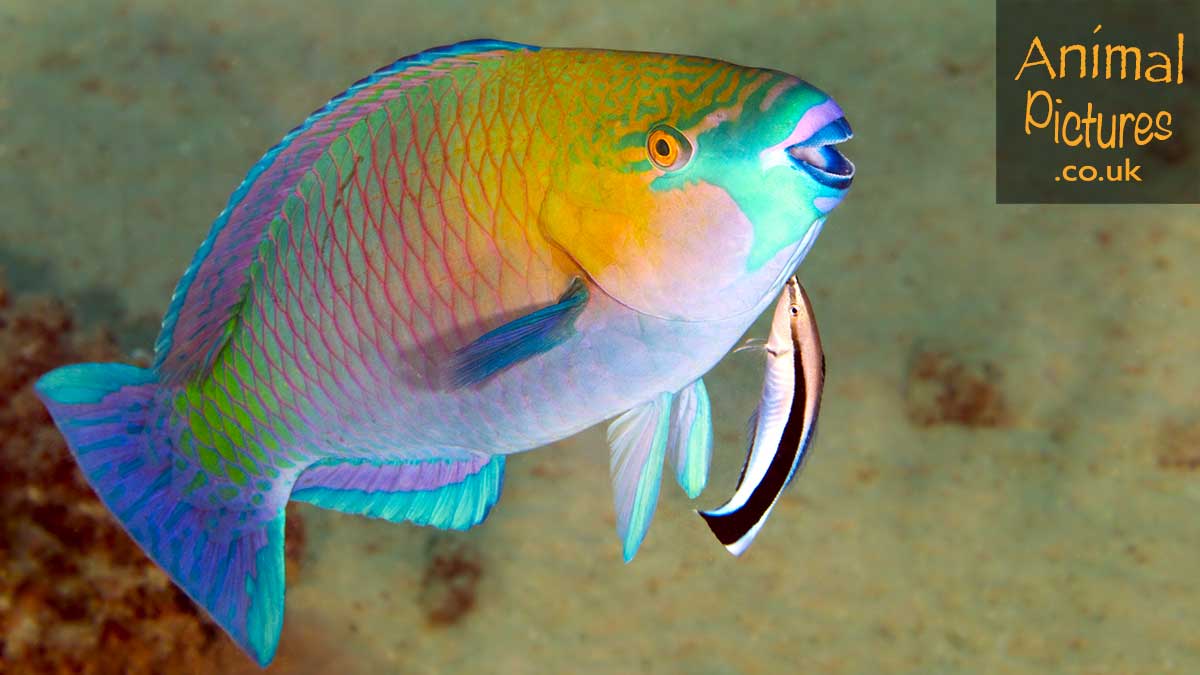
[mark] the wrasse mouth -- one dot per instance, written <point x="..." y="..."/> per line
<point x="817" y="156"/>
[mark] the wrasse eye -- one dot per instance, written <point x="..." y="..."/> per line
<point x="669" y="149"/>
<point x="795" y="310"/>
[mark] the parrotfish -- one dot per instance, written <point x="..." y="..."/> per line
<point x="474" y="251"/>
<point x="782" y="428"/>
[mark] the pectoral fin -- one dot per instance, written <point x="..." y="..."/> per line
<point x="519" y="339"/>
<point x="690" y="443"/>
<point x="638" y="439"/>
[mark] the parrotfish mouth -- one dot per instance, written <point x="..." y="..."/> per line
<point x="817" y="157"/>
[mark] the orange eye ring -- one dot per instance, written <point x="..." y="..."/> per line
<point x="667" y="148"/>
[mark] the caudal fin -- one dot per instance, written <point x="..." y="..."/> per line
<point x="230" y="562"/>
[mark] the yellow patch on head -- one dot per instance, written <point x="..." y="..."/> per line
<point x="599" y="216"/>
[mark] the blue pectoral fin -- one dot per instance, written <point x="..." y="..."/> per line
<point x="230" y="563"/>
<point x="438" y="493"/>
<point x="638" y="440"/>
<point x="690" y="443"/>
<point x="530" y="335"/>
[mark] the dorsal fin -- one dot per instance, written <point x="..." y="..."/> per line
<point x="214" y="285"/>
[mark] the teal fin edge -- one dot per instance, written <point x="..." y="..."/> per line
<point x="458" y="506"/>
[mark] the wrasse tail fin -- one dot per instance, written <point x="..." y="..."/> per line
<point x="638" y="439"/>
<point x="519" y="339"/>
<point x="691" y="438"/>
<point x="726" y="522"/>
<point x="453" y="495"/>
<point x="230" y="564"/>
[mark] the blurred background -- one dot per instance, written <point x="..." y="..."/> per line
<point x="1007" y="473"/>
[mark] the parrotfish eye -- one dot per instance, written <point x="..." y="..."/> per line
<point x="669" y="149"/>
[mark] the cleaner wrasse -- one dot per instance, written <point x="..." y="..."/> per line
<point x="782" y="427"/>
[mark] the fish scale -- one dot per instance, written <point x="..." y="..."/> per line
<point x="321" y="246"/>
<point x="469" y="253"/>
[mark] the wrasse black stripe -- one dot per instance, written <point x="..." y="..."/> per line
<point x="734" y="525"/>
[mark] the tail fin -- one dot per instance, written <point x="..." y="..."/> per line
<point x="230" y="562"/>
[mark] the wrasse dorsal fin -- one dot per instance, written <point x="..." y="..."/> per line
<point x="522" y="338"/>
<point x="212" y="290"/>
<point x="751" y="434"/>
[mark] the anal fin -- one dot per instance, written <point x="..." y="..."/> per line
<point x="446" y="494"/>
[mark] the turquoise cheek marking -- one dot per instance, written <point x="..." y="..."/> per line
<point x="780" y="203"/>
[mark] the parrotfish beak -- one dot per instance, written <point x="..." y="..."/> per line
<point x="817" y="156"/>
